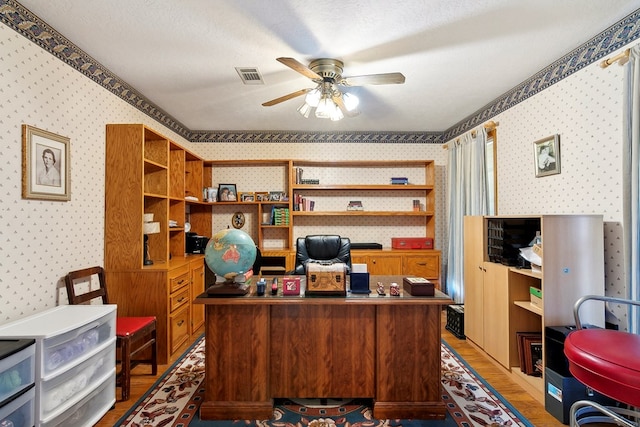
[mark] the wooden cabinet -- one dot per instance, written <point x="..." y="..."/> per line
<point x="146" y="173"/>
<point x="474" y="249"/>
<point x="197" y="288"/>
<point x="413" y="262"/>
<point x="496" y="295"/>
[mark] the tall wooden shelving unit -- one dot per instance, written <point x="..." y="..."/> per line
<point x="148" y="173"/>
<point x="497" y="299"/>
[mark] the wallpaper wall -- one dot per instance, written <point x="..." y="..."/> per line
<point x="42" y="240"/>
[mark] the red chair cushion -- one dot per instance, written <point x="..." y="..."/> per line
<point x="607" y="361"/>
<point x="126" y="326"/>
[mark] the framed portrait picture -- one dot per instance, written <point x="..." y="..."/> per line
<point x="227" y="193"/>
<point x="262" y="196"/>
<point x="45" y="165"/>
<point x="275" y="196"/>
<point x="546" y="153"/>
<point x="247" y="197"/>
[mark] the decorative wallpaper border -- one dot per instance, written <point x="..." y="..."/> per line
<point x="17" y="17"/>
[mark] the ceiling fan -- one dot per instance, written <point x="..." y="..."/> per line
<point x="328" y="100"/>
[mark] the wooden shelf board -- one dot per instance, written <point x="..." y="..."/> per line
<point x="530" y="307"/>
<point x="361" y="213"/>
<point x="361" y="187"/>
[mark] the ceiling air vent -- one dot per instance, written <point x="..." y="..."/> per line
<point x="250" y="75"/>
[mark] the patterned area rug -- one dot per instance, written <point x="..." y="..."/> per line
<point x="175" y="399"/>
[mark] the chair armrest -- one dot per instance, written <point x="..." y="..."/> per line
<point x="576" y="306"/>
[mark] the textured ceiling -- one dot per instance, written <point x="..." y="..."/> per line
<point x="457" y="56"/>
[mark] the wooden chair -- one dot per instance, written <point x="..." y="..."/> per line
<point x="607" y="361"/>
<point x="133" y="334"/>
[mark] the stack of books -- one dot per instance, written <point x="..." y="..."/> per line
<point x="310" y="181"/>
<point x="280" y="216"/>
<point x="400" y="180"/>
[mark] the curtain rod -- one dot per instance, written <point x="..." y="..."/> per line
<point x="621" y="58"/>
<point x="489" y="126"/>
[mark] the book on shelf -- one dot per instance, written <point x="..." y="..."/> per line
<point x="399" y="180"/>
<point x="355" y="205"/>
<point x="310" y="181"/>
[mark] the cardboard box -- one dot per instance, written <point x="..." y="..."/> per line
<point x="412" y="243"/>
<point x="536" y="296"/>
<point x="326" y="279"/>
<point x="418" y="286"/>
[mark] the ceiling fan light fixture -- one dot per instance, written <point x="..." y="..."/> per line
<point x="313" y="97"/>
<point x="336" y="114"/>
<point x="350" y="101"/>
<point x="325" y="108"/>
<point x="305" y="109"/>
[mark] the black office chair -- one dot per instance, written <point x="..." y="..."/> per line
<point x="322" y="248"/>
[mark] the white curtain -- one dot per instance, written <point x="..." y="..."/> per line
<point x="631" y="183"/>
<point x="466" y="195"/>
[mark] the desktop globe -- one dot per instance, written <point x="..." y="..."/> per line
<point x="230" y="253"/>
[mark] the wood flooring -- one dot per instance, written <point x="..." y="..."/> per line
<point x="516" y="395"/>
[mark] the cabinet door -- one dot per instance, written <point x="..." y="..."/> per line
<point x="473" y="279"/>
<point x="385" y="264"/>
<point x="197" y="287"/>
<point x="496" y="312"/>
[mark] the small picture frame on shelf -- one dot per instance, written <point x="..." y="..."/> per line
<point x="227" y="193"/>
<point x="247" y="196"/>
<point x="276" y="196"/>
<point x="547" y="156"/>
<point x="262" y="196"/>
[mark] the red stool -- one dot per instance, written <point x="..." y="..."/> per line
<point x="608" y="361"/>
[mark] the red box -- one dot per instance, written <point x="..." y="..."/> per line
<point x="290" y="286"/>
<point x="412" y="243"/>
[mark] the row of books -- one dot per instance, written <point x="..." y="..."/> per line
<point x="303" y="203"/>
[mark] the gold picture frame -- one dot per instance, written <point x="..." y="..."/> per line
<point x="546" y="153"/>
<point x="46" y="171"/>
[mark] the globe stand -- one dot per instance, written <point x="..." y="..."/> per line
<point x="228" y="288"/>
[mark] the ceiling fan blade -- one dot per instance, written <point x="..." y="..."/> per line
<point x="286" y="97"/>
<point x="373" y="79"/>
<point x="299" y="67"/>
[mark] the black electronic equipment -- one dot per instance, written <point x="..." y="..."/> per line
<point x="196" y="244"/>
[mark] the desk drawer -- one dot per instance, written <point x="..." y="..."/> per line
<point x="178" y="299"/>
<point x="180" y="280"/>
<point x="179" y="328"/>
<point x="427" y="266"/>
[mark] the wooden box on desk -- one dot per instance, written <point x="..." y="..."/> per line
<point x="326" y="279"/>
<point x="418" y="286"/>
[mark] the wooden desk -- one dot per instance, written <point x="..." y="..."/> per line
<point x="369" y="346"/>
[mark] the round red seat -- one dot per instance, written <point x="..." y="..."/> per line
<point x="607" y="361"/>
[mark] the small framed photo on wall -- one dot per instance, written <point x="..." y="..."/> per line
<point x="45" y="165"/>
<point x="227" y="193"/>
<point x="546" y="153"/>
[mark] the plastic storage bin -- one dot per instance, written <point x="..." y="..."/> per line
<point x="90" y="409"/>
<point x="19" y="412"/>
<point x="62" y="350"/>
<point x="17" y="367"/>
<point x="67" y="387"/>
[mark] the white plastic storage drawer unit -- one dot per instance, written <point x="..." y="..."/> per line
<point x="17" y="367"/>
<point x="74" y="351"/>
<point x="19" y="411"/>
